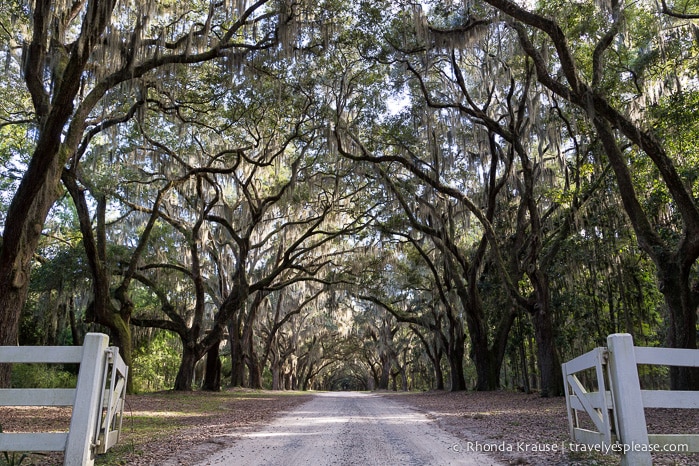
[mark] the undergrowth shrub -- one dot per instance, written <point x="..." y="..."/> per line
<point x="155" y="364"/>
<point x="42" y="376"/>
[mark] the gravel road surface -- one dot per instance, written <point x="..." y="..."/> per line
<point x="349" y="428"/>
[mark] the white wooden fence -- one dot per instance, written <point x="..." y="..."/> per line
<point x="97" y="399"/>
<point x="615" y="406"/>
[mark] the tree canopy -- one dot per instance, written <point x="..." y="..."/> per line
<point x="336" y="194"/>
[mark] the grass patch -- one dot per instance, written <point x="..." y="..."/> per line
<point x="168" y="417"/>
<point x="157" y="425"/>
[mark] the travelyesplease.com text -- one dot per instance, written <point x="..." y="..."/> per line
<point x="524" y="447"/>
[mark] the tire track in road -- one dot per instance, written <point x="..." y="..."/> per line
<point x="348" y="428"/>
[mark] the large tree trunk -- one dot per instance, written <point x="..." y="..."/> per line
<point x="547" y="355"/>
<point x="185" y="375"/>
<point x="39" y="188"/>
<point x="486" y="357"/>
<point x="23" y="226"/>
<point x="254" y="372"/>
<point x="382" y="383"/>
<point x="404" y="377"/>
<point x="237" y="365"/>
<point x="455" y="355"/>
<point x="121" y="337"/>
<point x="74" y="331"/>
<point x="276" y="376"/>
<point x="438" y="375"/>
<point x="456" y="368"/>
<point x="609" y="122"/>
<point x="212" y="376"/>
<point x="673" y="265"/>
<point x="10" y="298"/>
<point x="487" y="371"/>
<point x="682" y="304"/>
<point x="276" y="364"/>
<point x="549" y="362"/>
<point x="307" y="378"/>
<point x="251" y="360"/>
<point x="103" y="310"/>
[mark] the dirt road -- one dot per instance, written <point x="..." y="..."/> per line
<point x="347" y="428"/>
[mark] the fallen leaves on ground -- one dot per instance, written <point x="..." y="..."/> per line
<point x="176" y="428"/>
<point x="166" y="428"/>
<point x="533" y="425"/>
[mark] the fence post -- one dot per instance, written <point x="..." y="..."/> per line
<point x="81" y="436"/>
<point x="628" y="404"/>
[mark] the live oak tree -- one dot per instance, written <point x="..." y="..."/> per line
<point x="468" y="29"/>
<point x="447" y="146"/>
<point x="272" y="221"/>
<point x="595" y="77"/>
<point x="282" y="332"/>
<point x="74" y="57"/>
<point x="274" y="185"/>
<point x="332" y="184"/>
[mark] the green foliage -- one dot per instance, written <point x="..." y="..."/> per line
<point x="267" y="378"/>
<point x="42" y="376"/>
<point x="66" y="268"/>
<point x="155" y="363"/>
<point x="675" y="122"/>
<point x="247" y="128"/>
<point x="13" y="458"/>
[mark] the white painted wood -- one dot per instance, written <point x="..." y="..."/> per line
<point x="119" y="364"/>
<point x="570" y="410"/>
<point x="585" y="400"/>
<point x="626" y="400"/>
<point x="667" y="356"/>
<point x="88" y="399"/>
<point x="601" y="371"/>
<point x="690" y="440"/>
<point x="670" y="399"/>
<point x="113" y="402"/>
<point x="111" y="439"/>
<point x="575" y="403"/>
<point x="595" y="404"/>
<point x="588" y="360"/>
<point x="41" y="354"/>
<point x="79" y="447"/>
<point x="589" y="437"/>
<point x="594" y="399"/>
<point x="37" y="397"/>
<point x="54" y="441"/>
<point x="626" y="393"/>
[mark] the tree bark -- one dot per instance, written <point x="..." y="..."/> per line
<point x="254" y="371"/>
<point x="74" y="332"/>
<point x="682" y="303"/>
<point x="212" y="375"/>
<point x="23" y="226"/>
<point x="549" y="362"/>
<point x="237" y="365"/>
<point x="673" y="263"/>
<point x="438" y="375"/>
<point x="276" y="376"/>
<point x="607" y="121"/>
<point x="385" y="371"/>
<point x="39" y="188"/>
<point x="185" y="374"/>
<point x="455" y="354"/>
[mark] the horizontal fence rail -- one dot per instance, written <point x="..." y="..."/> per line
<point x="97" y="400"/>
<point x="615" y="406"/>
